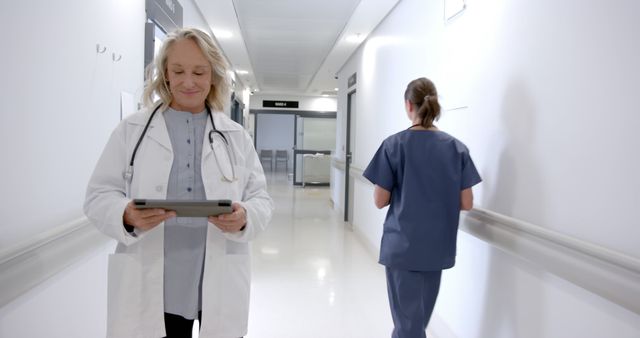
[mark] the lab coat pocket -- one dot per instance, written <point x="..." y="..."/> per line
<point x="236" y="248"/>
<point x="236" y="280"/>
<point x="238" y="186"/>
<point x="242" y="175"/>
<point x="124" y="291"/>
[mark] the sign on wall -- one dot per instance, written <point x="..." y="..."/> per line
<point x="279" y="104"/>
<point x="352" y="80"/>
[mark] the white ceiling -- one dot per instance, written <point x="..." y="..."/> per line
<point x="292" y="47"/>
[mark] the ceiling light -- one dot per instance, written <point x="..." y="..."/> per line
<point x="355" y="38"/>
<point x="335" y="89"/>
<point x="241" y="72"/>
<point x="222" y="34"/>
<point x="270" y="251"/>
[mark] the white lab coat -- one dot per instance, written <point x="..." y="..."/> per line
<point x="135" y="291"/>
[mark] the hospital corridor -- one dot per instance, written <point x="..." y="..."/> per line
<point x="309" y="253"/>
<point x="319" y="169"/>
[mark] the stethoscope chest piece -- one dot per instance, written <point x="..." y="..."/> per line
<point x="226" y="176"/>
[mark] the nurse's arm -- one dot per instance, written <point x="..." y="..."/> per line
<point x="466" y="199"/>
<point x="381" y="197"/>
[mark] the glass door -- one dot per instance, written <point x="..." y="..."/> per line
<point x="315" y="139"/>
<point x="350" y="144"/>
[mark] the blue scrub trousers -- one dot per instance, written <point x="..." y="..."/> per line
<point x="412" y="296"/>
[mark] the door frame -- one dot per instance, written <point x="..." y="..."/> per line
<point x="295" y="114"/>
<point x="347" y="156"/>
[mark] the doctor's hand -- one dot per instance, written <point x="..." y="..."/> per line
<point x="145" y="219"/>
<point x="233" y="222"/>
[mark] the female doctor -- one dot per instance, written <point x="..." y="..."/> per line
<point x="168" y="270"/>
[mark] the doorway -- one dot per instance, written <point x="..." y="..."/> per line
<point x="275" y="133"/>
<point x="302" y="134"/>
<point x="314" y="141"/>
<point x="350" y="144"/>
<point x="237" y="108"/>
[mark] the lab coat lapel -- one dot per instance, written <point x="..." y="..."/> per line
<point x="157" y="129"/>
<point x="224" y="125"/>
<point x="206" y="147"/>
<point x="211" y="168"/>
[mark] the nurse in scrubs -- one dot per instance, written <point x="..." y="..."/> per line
<point x="425" y="177"/>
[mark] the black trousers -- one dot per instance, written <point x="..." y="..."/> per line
<point x="178" y="326"/>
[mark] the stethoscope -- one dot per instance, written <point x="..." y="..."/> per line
<point x="212" y="134"/>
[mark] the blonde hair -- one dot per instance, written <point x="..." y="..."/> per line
<point x="156" y="82"/>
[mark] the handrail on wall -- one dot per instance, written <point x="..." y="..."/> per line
<point x="27" y="264"/>
<point x="608" y="273"/>
<point x="590" y="249"/>
<point x="40" y="240"/>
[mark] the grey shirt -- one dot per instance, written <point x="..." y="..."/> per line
<point x="185" y="237"/>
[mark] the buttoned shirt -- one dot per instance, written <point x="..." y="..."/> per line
<point x="185" y="237"/>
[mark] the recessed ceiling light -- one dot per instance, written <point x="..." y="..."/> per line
<point x="222" y="34"/>
<point x="335" y="88"/>
<point x="241" y="72"/>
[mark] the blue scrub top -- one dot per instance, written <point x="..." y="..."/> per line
<point x="425" y="171"/>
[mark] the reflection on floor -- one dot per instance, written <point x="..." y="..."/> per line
<point x="311" y="277"/>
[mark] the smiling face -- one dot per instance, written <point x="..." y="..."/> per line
<point x="189" y="76"/>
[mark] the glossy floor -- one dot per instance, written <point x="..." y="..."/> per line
<point x="311" y="276"/>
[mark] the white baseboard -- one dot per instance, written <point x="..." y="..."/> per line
<point x="438" y="328"/>
<point x="607" y="273"/>
<point x="370" y="248"/>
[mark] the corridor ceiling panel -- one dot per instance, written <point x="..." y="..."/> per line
<point x="292" y="47"/>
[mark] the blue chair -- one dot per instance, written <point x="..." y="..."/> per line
<point x="282" y="156"/>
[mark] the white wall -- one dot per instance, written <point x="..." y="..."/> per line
<point x="72" y="303"/>
<point x="550" y="114"/>
<point x="248" y="120"/>
<point x="60" y="100"/>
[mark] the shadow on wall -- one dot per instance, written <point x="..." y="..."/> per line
<point x="512" y="193"/>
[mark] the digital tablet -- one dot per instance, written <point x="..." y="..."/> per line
<point x="185" y="208"/>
